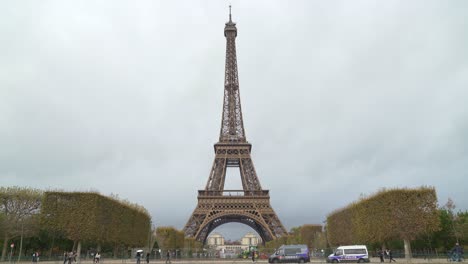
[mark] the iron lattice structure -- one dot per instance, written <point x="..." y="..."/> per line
<point x="216" y="206"/>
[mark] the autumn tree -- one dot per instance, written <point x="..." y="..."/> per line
<point x="276" y="243"/>
<point x="18" y="206"/>
<point x="169" y="238"/>
<point x="312" y="236"/>
<point x="340" y="228"/>
<point x="88" y="216"/>
<point x="192" y="245"/>
<point x="402" y="214"/>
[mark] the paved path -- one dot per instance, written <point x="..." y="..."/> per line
<point x="222" y="261"/>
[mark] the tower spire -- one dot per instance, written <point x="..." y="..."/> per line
<point x="232" y="125"/>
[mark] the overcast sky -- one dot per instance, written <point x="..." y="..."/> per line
<point x="340" y="99"/>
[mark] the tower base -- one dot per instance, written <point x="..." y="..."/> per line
<point x="252" y="208"/>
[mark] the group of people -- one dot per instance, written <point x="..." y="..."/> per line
<point x="97" y="257"/>
<point x="35" y="257"/>
<point x="385" y="254"/>
<point x="68" y="257"/>
<point x="139" y="255"/>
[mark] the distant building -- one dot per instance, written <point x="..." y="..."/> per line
<point x="231" y="249"/>
<point x="250" y="239"/>
<point x="215" y="239"/>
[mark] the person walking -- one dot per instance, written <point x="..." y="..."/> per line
<point x="168" y="257"/>
<point x="138" y="257"/>
<point x="70" y="257"/>
<point x="65" y="257"/>
<point x="97" y="257"/>
<point x="457" y="252"/>
<point x="381" y="255"/>
<point x="390" y="256"/>
<point x="147" y="257"/>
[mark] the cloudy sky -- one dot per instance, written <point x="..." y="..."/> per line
<point x="340" y="99"/>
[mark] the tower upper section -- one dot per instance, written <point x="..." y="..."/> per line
<point x="232" y="125"/>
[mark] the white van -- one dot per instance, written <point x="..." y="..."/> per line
<point x="356" y="253"/>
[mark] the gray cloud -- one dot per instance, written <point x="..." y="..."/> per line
<point x="340" y="99"/>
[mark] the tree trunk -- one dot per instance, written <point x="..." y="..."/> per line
<point x="21" y="245"/>
<point x="115" y="251"/>
<point x="78" y="251"/>
<point x="407" y="250"/>
<point x="52" y="247"/>
<point x="4" y="250"/>
<point x="74" y="245"/>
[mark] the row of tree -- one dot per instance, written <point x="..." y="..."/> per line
<point x="396" y="218"/>
<point x="171" y="238"/>
<point x="402" y="214"/>
<point x="77" y="216"/>
<point x="63" y="221"/>
<point x="309" y="234"/>
<point x="93" y="217"/>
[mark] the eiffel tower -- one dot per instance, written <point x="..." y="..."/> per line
<point x="216" y="206"/>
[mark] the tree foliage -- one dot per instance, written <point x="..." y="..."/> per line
<point x="453" y="227"/>
<point x="90" y="216"/>
<point x="403" y="214"/>
<point x="18" y="206"/>
<point x="311" y="235"/>
<point x="170" y="238"/>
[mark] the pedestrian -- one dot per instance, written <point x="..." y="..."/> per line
<point x="381" y="255"/>
<point x="168" y="257"/>
<point x="74" y="256"/>
<point x="138" y="257"/>
<point x="147" y="257"/>
<point x="34" y="257"/>
<point x="70" y="257"/>
<point x="390" y="256"/>
<point x="253" y="256"/>
<point x="65" y="257"/>
<point x="457" y="252"/>
<point x="97" y="257"/>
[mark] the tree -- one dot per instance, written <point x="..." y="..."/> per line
<point x="170" y="238"/>
<point x="404" y="214"/>
<point x="340" y="227"/>
<point x="453" y="219"/>
<point x="312" y="236"/>
<point x="89" y="216"/>
<point x="309" y="234"/>
<point x="18" y="206"/>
